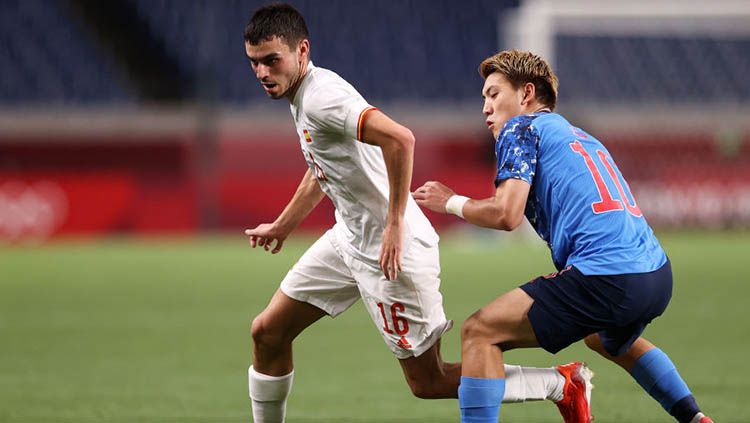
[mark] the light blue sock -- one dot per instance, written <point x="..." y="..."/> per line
<point x="657" y="375"/>
<point x="479" y="399"/>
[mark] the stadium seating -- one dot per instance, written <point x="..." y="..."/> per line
<point x="47" y="58"/>
<point x="381" y="50"/>
<point x="653" y="69"/>
<point x="417" y="50"/>
<point x="50" y="58"/>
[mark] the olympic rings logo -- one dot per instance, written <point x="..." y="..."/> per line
<point x="31" y="212"/>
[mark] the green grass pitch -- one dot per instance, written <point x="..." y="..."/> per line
<point x="157" y="331"/>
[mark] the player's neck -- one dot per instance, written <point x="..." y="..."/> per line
<point x="302" y="73"/>
<point x="535" y="108"/>
<point x="538" y="108"/>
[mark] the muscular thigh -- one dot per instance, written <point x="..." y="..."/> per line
<point x="504" y="322"/>
<point x="284" y="317"/>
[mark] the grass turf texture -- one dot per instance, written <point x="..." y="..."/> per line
<point x="157" y="331"/>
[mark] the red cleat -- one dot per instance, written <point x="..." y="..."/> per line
<point x="575" y="406"/>
<point x="701" y="418"/>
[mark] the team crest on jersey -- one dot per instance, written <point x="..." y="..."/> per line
<point x="308" y="138"/>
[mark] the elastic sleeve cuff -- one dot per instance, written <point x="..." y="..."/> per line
<point x="499" y="179"/>
<point x="354" y="121"/>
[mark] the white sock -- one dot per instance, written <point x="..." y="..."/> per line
<point x="533" y="384"/>
<point x="268" y="395"/>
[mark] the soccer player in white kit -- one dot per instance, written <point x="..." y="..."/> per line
<point x="382" y="248"/>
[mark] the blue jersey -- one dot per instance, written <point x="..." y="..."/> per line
<point x="579" y="203"/>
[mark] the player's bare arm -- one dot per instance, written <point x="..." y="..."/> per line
<point x="503" y="211"/>
<point x="305" y="199"/>
<point x="397" y="143"/>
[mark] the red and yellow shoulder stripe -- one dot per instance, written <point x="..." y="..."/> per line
<point x="361" y="120"/>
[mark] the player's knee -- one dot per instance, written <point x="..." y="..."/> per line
<point x="473" y="329"/>
<point x="476" y="331"/>
<point x="263" y="335"/>
<point x="257" y="329"/>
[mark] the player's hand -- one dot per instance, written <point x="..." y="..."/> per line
<point x="390" y="251"/>
<point x="433" y="195"/>
<point x="264" y="235"/>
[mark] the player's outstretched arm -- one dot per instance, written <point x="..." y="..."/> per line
<point x="397" y="143"/>
<point x="305" y="199"/>
<point x="504" y="211"/>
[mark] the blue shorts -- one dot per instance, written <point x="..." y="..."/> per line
<point x="568" y="306"/>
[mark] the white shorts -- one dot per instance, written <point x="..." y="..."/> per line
<point x="408" y="312"/>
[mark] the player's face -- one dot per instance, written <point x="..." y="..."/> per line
<point x="277" y="66"/>
<point x="501" y="102"/>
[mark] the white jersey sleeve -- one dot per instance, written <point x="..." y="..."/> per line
<point x="338" y="112"/>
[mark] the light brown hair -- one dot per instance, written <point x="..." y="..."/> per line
<point x="520" y="67"/>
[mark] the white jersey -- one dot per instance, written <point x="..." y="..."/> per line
<point x="328" y="113"/>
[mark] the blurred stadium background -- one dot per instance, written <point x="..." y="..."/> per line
<point x="135" y="145"/>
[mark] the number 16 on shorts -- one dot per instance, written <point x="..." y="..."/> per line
<point x="398" y="324"/>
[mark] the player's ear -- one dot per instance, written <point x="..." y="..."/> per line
<point x="303" y="48"/>
<point x="529" y="92"/>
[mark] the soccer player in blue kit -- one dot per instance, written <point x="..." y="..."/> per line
<point x="613" y="277"/>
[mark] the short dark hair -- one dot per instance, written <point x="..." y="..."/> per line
<point x="276" y="20"/>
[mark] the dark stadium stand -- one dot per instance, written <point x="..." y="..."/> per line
<point x="46" y="57"/>
<point x="389" y="53"/>
<point x="650" y="69"/>
<point x="381" y="50"/>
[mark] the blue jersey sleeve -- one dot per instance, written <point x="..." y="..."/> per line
<point x="516" y="150"/>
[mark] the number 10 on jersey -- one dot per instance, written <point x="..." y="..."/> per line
<point x="607" y="203"/>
